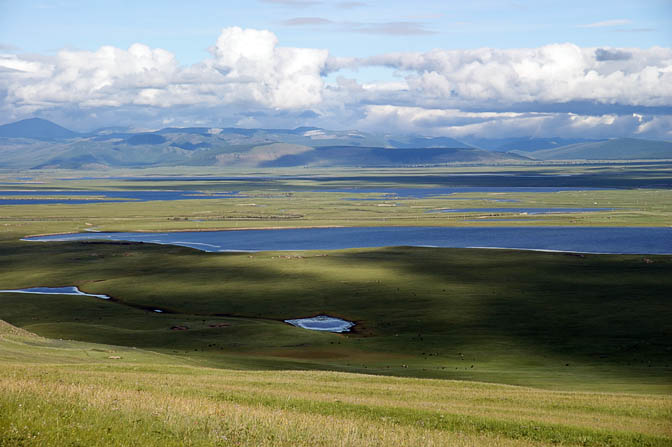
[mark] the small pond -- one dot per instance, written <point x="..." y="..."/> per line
<point x="55" y="291"/>
<point x="322" y="323"/>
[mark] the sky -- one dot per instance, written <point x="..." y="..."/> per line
<point x="478" y="68"/>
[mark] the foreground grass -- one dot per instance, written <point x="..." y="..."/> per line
<point x="85" y="394"/>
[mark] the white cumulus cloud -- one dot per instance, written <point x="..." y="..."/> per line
<point x="250" y="79"/>
<point x="457" y="123"/>
<point x="554" y="73"/>
<point x="259" y="70"/>
<point x="247" y="67"/>
<point x="107" y="77"/>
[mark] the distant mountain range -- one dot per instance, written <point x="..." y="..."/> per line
<point x="37" y="144"/>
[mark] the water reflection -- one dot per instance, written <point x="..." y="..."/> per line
<point x="322" y="323"/>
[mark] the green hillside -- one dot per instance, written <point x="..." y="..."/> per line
<point x="544" y="319"/>
<point x="616" y="149"/>
<point x="55" y="392"/>
<point x="141" y="153"/>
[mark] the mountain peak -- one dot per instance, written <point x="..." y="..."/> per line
<point x="36" y="128"/>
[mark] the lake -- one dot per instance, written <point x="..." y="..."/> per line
<point x="69" y="197"/>
<point x="626" y="240"/>
<point x="433" y="191"/>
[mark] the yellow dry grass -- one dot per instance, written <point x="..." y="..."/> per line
<point x="144" y="402"/>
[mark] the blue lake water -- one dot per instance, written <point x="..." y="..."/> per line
<point x="420" y="193"/>
<point x="651" y="240"/>
<point x="32" y="197"/>
<point x="322" y="323"/>
<point x="520" y="210"/>
<point x="55" y="291"/>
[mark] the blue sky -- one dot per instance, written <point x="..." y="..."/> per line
<point x="188" y="28"/>
<point x="359" y="38"/>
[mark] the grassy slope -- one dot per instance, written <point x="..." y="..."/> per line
<point x="616" y="149"/>
<point x="59" y="392"/>
<point x="517" y="317"/>
<point x="542" y="319"/>
<point x="597" y="324"/>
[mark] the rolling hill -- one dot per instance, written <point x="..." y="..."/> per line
<point x="615" y="149"/>
<point x="376" y="156"/>
<point x="524" y="144"/>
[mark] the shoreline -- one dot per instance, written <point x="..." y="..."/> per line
<point x="637" y="249"/>
<point x="197" y="230"/>
<point x="206" y="230"/>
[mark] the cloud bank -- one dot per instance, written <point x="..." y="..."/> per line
<point x="250" y="79"/>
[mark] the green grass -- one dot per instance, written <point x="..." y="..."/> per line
<point x="544" y="319"/>
<point x="451" y="347"/>
<point x="303" y="209"/>
<point x="73" y="393"/>
<point x="290" y="199"/>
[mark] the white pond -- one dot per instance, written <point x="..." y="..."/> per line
<point x="322" y="323"/>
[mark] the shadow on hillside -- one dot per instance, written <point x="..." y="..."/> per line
<point x="604" y="308"/>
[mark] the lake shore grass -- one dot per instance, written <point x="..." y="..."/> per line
<point x="637" y="195"/>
